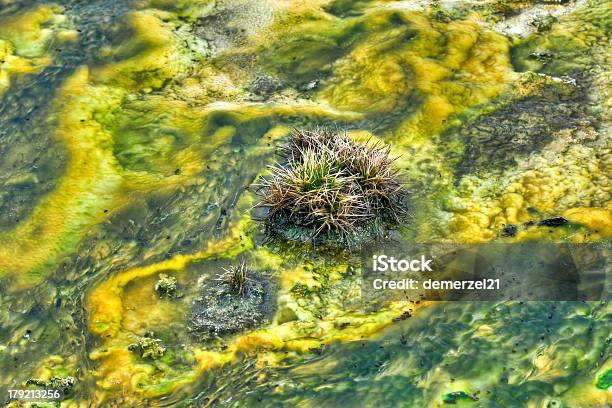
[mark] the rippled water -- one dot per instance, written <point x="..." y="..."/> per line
<point x="131" y="134"/>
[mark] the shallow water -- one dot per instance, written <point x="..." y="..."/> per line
<point x="132" y="134"/>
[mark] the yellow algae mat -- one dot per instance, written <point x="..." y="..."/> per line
<point x="134" y="136"/>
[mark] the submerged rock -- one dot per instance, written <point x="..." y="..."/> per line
<point x="553" y="222"/>
<point x="509" y="230"/>
<point x="264" y="86"/>
<point x="544" y="57"/>
<point x="497" y="141"/>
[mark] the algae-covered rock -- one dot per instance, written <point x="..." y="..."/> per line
<point x="148" y="347"/>
<point x="64" y="384"/>
<point x="166" y="286"/>
<point x="454" y="397"/>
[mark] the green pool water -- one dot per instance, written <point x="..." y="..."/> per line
<point x="132" y="136"/>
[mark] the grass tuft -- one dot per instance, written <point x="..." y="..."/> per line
<point x="327" y="183"/>
<point x="236" y="277"/>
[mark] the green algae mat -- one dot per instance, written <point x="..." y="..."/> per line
<point x="138" y="270"/>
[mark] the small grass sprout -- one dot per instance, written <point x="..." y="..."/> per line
<point x="236" y="277"/>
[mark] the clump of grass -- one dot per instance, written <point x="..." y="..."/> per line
<point x="236" y="278"/>
<point x="327" y="183"/>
